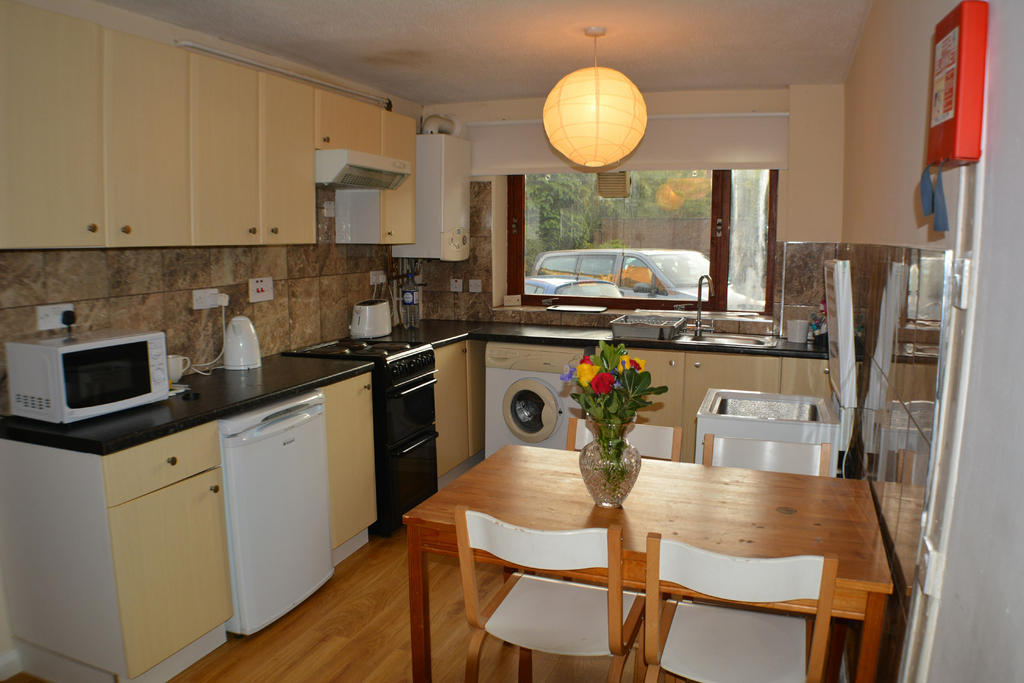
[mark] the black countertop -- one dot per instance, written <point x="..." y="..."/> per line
<point x="224" y="393"/>
<point x="228" y="392"/>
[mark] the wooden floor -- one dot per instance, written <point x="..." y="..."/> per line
<point x="356" y="628"/>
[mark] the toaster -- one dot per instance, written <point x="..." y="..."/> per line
<point x="370" y="318"/>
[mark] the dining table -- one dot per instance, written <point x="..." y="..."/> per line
<point x="729" y="510"/>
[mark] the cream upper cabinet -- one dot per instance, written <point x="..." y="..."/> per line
<point x="51" y="180"/>
<point x="348" y="413"/>
<point x="722" y="371"/>
<point x="346" y="123"/>
<point x="666" y="367"/>
<point x="398" y="207"/>
<point x="287" y="164"/>
<point x="805" y="377"/>
<point x="146" y="137"/>
<point x="451" y="406"/>
<point x="225" y="154"/>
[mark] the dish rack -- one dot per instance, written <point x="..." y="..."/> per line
<point x="648" y="326"/>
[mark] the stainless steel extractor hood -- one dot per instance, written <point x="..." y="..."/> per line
<point x="344" y="168"/>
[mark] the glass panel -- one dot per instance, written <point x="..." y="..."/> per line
<point x="748" y="240"/>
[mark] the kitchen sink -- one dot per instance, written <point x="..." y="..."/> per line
<point x="723" y="339"/>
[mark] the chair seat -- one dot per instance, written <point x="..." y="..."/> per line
<point x="557" y="617"/>
<point x="726" y="645"/>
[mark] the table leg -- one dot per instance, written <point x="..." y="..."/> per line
<point x="419" y="607"/>
<point x="871" y="637"/>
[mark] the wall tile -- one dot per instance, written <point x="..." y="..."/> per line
<point x="437" y="306"/>
<point x="195" y="334"/>
<point x="21" y="278"/>
<point x="804" y="279"/>
<point x="135" y="271"/>
<point x="230" y="265"/>
<point x="270" y="262"/>
<point x="507" y="315"/>
<point x="143" y="312"/>
<point x="270" y="318"/>
<point x="302" y="260"/>
<point x="475" y="306"/>
<point x="74" y="275"/>
<point x="304" y="311"/>
<point x="333" y="297"/>
<point x="480" y="208"/>
<point x="332" y="259"/>
<point x="186" y="268"/>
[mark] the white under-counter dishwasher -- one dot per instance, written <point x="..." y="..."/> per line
<point x="278" y="510"/>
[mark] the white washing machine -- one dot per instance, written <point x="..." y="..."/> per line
<point x="527" y="402"/>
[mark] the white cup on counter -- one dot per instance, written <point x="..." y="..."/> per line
<point x="176" y="367"/>
<point x="796" y="331"/>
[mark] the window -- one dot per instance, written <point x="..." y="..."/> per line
<point x="647" y="250"/>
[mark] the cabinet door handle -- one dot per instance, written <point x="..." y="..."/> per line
<point x="672" y="363"/>
<point x="92" y="227"/>
<point x="826" y="371"/>
<point x="252" y="231"/>
<point x="215" y="488"/>
<point x="172" y="461"/>
<point x="326" y="138"/>
<point x="126" y="229"/>
<point x="366" y="386"/>
<point x="697" y="364"/>
<point x="274" y="230"/>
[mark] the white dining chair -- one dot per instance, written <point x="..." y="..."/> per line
<point x="774" y="456"/>
<point x="653" y="441"/>
<point x="545" y="613"/>
<point x="734" y="644"/>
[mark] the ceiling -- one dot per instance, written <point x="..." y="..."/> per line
<point x="440" y="51"/>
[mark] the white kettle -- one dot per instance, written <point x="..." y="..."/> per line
<point x="241" y="347"/>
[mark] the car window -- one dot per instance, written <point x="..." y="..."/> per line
<point x="635" y="272"/>
<point x="530" y="288"/>
<point x="598" y="266"/>
<point x="682" y="268"/>
<point x="590" y="288"/>
<point x="557" y="264"/>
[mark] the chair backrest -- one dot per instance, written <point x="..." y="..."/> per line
<point x="745" y="580"/>
<point x="544" y="550"/>
<point x="653" y="441"/>
<point x="774" y="456"/>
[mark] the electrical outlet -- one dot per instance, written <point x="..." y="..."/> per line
<point x="377" y="277"/>
<point x="205" y="298"/>
<point x="48" y="317"/>
<point x="456" y="285"/>
<point x="261" y="289"/>
<point x="513" y="300"/>
<point x="476" y="286"/>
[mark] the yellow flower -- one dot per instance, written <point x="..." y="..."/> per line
<point x="626" y="360"/>
<point x="586" y="372"/>
<point x="642" y="363"/>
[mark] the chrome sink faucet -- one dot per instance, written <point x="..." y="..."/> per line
<point x="699" y="331"/>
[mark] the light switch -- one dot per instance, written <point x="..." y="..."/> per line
<point x="456" y="284"/>
<point x="476" y="286"/>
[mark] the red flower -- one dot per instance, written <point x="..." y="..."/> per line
<point x="634" y="365"/>
<point x="586" y="361"/>
<point x="602" y="382"/>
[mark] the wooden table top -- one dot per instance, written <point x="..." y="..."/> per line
<point x="729" y="510"/>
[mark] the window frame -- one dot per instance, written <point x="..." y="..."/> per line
<point x="721" y="193"/>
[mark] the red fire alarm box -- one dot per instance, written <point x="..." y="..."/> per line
<point x="958" y="85"/>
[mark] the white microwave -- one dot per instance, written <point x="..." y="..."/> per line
<point x="63" y="379"/>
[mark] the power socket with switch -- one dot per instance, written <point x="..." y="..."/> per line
<point x="205" y="298"/>
<point x="48" y="317"/>
<point x="261" y="289"/>
<point x="456" y="284"/>
<point x="513" y="300"/>
<point x="377" y="277"/>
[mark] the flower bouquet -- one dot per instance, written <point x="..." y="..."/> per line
<point x="612" y="387"/>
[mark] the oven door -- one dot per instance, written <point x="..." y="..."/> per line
<point x="409" y="409"/>
<point x="407" y="475"/>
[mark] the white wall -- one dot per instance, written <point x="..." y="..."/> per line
<point x="981" y="614"/>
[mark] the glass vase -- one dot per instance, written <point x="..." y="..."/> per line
<point x="609" y="464"/>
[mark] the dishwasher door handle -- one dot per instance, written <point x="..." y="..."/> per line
<point x="265" y="430"/>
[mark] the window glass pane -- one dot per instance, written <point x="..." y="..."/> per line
<point x="598" y="266"/>
<point x="748" y="240"/>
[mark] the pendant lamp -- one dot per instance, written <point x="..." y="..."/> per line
<point x="595" y="116"/>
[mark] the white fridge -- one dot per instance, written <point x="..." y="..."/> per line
<point x="276" y="494"/>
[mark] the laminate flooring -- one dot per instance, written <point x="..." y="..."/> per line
<point x="356" y="628"/>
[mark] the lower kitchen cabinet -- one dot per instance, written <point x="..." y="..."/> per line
<point x="116" y="562"/>
<point x="348" y="413"/>
<point x="805" y="377"/>
<point x="475" y="372"/>
<point x="666" y="367"/>
<point x="721" y="371"/>
<point x="451" y="400"/>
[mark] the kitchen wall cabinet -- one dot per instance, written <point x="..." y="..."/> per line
<point x="805" y="377"/>
<point x="146" y="138"/>
<point x="225" y="152"/>
<point x="346" y="123"/>
<point x="287" y="162"/>
<point x="398" y="207"/>
<point x="51" y="180"/>
<point x="348" y="413"/>
<point x="666" y="367"/>
<point x="451" y="394"/>
<point x="721" y="371"/>
<point x="120" y="561"/>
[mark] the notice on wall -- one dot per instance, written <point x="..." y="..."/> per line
<point x="944" y="80"/>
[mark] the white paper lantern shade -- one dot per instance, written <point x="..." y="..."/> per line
<point x="595" y="116"/>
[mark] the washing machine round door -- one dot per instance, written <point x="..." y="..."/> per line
<point x="530" y="408"/>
